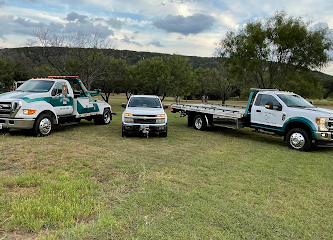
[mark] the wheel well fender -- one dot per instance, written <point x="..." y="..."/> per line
<point x="52" y="115"/>
<point x="303" y="123"/>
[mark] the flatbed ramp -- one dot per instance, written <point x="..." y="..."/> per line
<point x="229" y="116"/>
<point x="214" y="109"/>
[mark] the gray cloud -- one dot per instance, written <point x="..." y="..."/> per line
<point x="27" y="23"/>
<point x="55" y="27"/>
<point x="2" y="3"/>
<point x="156" y="43"/>
<point x="72" y="17"/>
<point x="194" y="24"/>
<point x="88" y="29"/>
<point x="114" y="23"/>
<point x="128" y="40"/>
<point x="135" y="34"/>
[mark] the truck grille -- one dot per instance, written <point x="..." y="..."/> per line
<point x="5" y="108"/>
<point x="330" y="124"/>
<point x="145" y="121"/>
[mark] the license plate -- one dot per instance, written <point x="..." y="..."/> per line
<point x="0" y="125"/>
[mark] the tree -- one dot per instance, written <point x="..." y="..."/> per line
<point x="183" y="81"/>
<point x="204" y="83"/>
<point x="266" y="51"/>
<point x="151" y="76"/>
<point x="114" y="78"/>
<point x="223" y="82"/>
<point x="7" y="72"/>
<point x="84" y="56"/>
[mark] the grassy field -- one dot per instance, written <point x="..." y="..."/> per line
<point x="87" y="182"/>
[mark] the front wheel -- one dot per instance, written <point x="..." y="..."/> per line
<point x="298" y="139"/>
<point x="43" y="125"/>
<point x="164" y="134"/>
<point x="199" y="122"/>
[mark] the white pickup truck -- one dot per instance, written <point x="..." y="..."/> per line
<point x="39" y="104"/>
<point x="144" y="113"/>
<point x="268" y="111"/>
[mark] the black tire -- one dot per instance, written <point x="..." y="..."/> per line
<point x="298" y="139"/>
<point x="123" y="133"/>
<point x="43" y="125"/>
<point x="4" y="131"/>
<point x="103" y="119"/>
<point x="199" y="122"/>
<point x="164" y="134"/>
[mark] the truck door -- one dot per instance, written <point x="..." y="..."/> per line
<point x="62" y="105"/>
<point x="267" y="110"/>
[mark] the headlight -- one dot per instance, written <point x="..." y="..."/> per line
<point x="28" y="111"/>
<point x="160" y="120"/>
<point x="321" y="122"/>
<point x="128" y="120"/>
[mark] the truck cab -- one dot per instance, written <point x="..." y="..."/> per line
<point x="289" y="115"/>
<point x="39" y="104"/>
<point x="144" y="113"/>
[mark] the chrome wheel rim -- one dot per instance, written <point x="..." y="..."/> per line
<point x="45" y="126"/>
<point x="297" y="140"/>
<point x="107" y="117"/>
<point x="198" y="123"/>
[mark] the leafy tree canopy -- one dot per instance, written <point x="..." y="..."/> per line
<point x="266" y="51"/>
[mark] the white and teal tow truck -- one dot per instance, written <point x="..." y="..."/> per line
<point x="268" y="111"/>
<point x="40" y="104"/>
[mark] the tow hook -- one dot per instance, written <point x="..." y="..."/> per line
<point x="145" y="131"/>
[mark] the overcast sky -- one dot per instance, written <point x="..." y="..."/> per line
<point x="186" y="27"/>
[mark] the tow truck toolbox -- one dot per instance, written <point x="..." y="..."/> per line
<point x="41" y="103"/>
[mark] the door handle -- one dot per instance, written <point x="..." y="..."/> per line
<point x="258" y="111"/>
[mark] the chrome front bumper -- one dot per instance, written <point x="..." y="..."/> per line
<point x="324" y="139"/>
<point x="16" y="123"/>
<point x="324" y="136"/>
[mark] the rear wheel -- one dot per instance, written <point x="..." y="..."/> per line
<point x="298" y="139"/>
<point x="103" y="119"/>
<point x="199" y="122"/>
<point x="43" y="125"/>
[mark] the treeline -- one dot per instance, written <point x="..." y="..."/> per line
<point x="277" y="52"/>
<point x="163" y="75"/>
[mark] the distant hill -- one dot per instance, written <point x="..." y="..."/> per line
<point x="131" y="57"/>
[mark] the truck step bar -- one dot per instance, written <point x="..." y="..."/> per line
<point x="266" y="133"/>
<point x="68" y="124"/>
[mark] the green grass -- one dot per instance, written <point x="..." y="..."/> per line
<point x="87" y="182"/>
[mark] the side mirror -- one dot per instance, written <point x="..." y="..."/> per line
<point x="279" y="107"/>
<point x="123" y="105"/>
<point x="269" y="105"/>
<point x="165" y="106"/>
<point x="64" y="90"/>
<point x="311" y="102"/>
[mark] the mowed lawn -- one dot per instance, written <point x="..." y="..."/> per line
<point x="87" y="182"/>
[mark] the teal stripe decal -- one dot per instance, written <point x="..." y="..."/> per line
<point x="82" y="110"/>
<point x="272" y="128"/>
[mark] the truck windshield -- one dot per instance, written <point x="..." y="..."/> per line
<point x="145" y="102"/>
<point x="36" y="86"/>
<point x="293" y="100"/>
